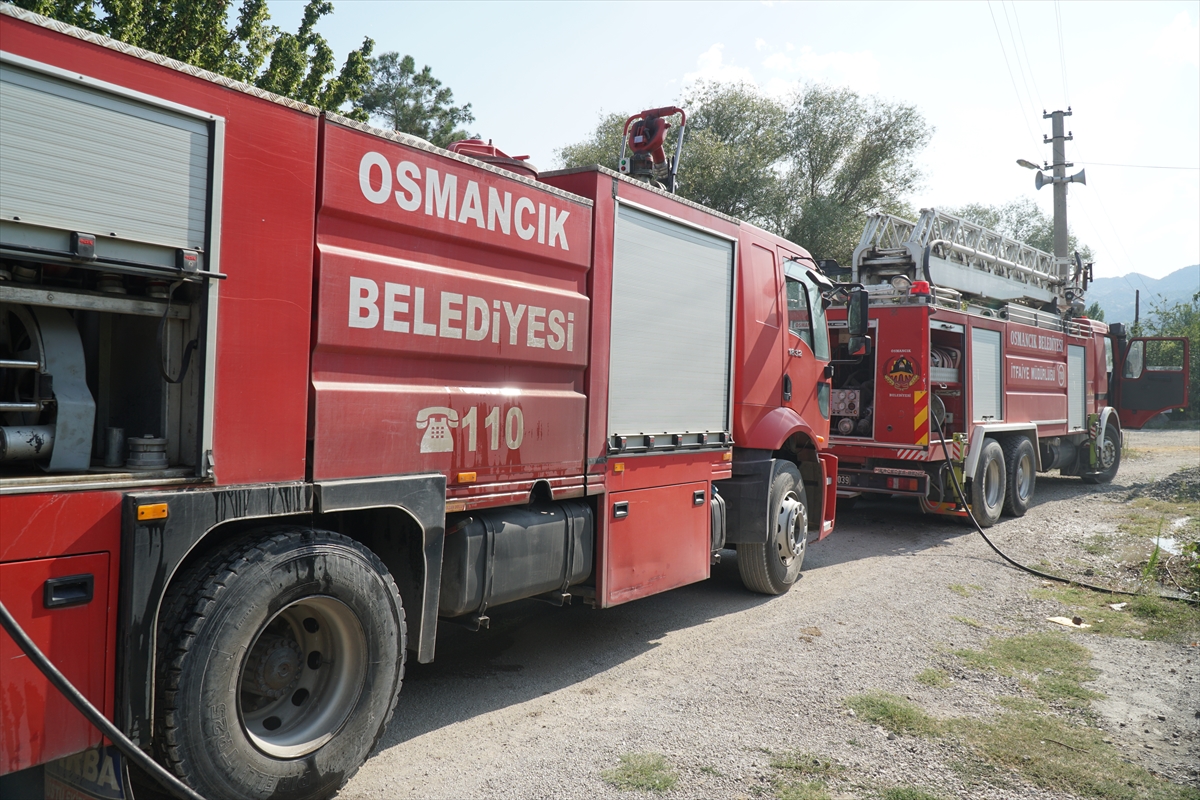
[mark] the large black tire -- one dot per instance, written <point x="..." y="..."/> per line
<point x="988" y="485"/>
<point x="281" y="667"/>
<point x="1020" y="464"/>
<point x="1108" y="456"/>
<point x="772" y="567"/>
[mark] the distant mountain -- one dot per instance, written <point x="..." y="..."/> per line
<point x="1116" y="295"/>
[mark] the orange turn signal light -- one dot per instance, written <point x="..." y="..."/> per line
<point x="619" y="466"/>
<point x="727" y="456"/>
<point x="152" y="511"/>
<point x="466" y="477"/>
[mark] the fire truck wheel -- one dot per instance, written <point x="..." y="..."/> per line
<point x="987" y="488"/>
<point x="1021" y="465"/>
<point x="282" y="667"/>
<point x="772" y="567"/>
<point x="1108" y="456"/>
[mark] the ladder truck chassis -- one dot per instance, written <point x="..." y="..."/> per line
<point x="982" y="365"/>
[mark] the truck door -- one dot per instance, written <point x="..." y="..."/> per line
<point x="1152" y="377"/>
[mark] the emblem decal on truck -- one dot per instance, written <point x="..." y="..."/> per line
<point x="437" y="422"/>
<point x="901" y="373"/>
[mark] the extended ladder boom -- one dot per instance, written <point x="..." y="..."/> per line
<point x="968" y="258"/>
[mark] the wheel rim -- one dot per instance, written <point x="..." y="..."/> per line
<point x="993" y="484"/>
<point x="790" y="529"/>
<point x="302" y="677"/>
<point x="1108" y="450"/>
<point x="1024" y="477"/>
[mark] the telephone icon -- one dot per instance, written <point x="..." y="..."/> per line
<point x="437" y="421"/>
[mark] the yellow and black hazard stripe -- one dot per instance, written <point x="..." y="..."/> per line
<point x="921" y="417"/>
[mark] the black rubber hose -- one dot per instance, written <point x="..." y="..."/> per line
<point x="1069" y="581"/>
<point x="131" y="751"/>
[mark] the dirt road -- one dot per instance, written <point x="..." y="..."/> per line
<point x="726" y="685"/>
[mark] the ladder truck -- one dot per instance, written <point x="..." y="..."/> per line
<point x="983" y="364"/>
<point x="281" y="393"/>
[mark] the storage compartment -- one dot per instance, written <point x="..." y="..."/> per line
<point x="508" y="554"/>
<point x="672" y="323"/>
<point x="84" y="386"/>
<point x="107" y="290"/>
<point x="62" y="603"/>
<point x="658" y="539"/>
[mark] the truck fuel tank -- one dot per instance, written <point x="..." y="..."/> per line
<point x="505" y="554"/>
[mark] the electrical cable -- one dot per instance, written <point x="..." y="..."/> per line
<point x="979" y="528"/>
<point x="93" y="715"/>
<point x="1008" y="66"/>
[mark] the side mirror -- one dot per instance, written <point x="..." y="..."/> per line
<point x="857" y="307"/>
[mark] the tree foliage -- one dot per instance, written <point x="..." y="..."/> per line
<point x="810" y="168"/>
<point x="299" y="65"/>
<point x="1021" y="219"/>
<point x="414" y="102"/>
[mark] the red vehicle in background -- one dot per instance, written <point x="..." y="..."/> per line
<point x="983" y="364"/>
<point x="279" y="391"/>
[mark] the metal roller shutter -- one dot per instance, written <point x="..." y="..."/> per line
<point x="985" y="376"/>
<point x="1076" y="399"/>
<point x="119" y="167"/>
<point x="672" y="322"/>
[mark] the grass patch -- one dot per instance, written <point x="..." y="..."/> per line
<point x="970" y="623"/>
<point x="1145" y="616"/>
<point x="1049" y="664"/>
<point x="1099" y="544"/>
<point x="908" y="793"/>
<point x="894" y="714"/>
<point x="959" y="589"/>
<point x="707" y="770"/>
<point x="807" y="764"/>
<point x="1056" y="755"/>
<point x="1019" y="703"/>
<point x="803" y="790"/>
<point x="937" y="678"/>
<point x="647" y="772"/>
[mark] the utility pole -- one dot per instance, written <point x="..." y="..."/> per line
<point x="1058" y="142"/>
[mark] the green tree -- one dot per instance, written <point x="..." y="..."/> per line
<point x="809" y="169"/>
<point x="1021" y="219"/>
<point x="414" y="102"/>
<point x="298" y="65"/>
<point x="847" y="156"/>
<point x="1094" y="311"/>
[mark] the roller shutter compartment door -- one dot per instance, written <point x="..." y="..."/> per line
<point x="986" y="401"/>
<point x="76" y="158"/>
<point x="1076" y="399"/>
<point x="672" y="313"/>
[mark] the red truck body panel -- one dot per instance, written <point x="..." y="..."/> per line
<point x="445" y="339"/>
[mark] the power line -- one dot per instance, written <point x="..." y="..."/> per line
<point x="1062" y="55"/>
<point x="1017" y="55"/>
<point x="1134" y="166"/>
<point x="1008" y="66"/>
<point x="1032" y="73"/>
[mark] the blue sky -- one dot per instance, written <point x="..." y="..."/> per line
<point x="538" y="75"/>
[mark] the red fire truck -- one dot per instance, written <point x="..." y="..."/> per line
<point x="983" y="364"/>
<point x="280" y="390"/>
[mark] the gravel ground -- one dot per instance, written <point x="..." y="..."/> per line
<point x="716" y="679"/>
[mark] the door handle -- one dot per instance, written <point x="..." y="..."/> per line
<point x="621" y="510"/>
<point x="698" y="497"/>
<point x="71" y="590"/>
<point x="787" y="388"/>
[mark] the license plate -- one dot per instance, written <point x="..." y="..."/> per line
<point x="844" y="480"/>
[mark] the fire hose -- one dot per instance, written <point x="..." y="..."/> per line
<point x="1069" y="581"/>
<point x="92" y="714"/>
